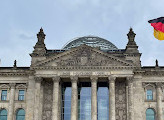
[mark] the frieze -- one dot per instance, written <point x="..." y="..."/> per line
<point x="150" y="73"/>
<point x="83" y="67"/>
<point x="84" y="73"/>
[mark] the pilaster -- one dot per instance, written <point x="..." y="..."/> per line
<point x="130" y="98"/>
<point x="30" y="98"/>
<point x="11" y="101"/>
<point x="159" y="101"/>
<point x="38" y="81"/>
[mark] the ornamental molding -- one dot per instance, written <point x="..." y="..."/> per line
<point x="153" y="85"/>
<point x="94" y="78"/>
<point x="82" y="67"/>
<point x="13" y="74"/>
<point x="150" y="73"/>
<point x="83" y="56"/>
<point x="146" y="84"/>
<point x="21" y="86"/>
<point x="4" y="86"/>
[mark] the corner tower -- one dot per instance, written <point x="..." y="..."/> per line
<point x="131" y="50"/>
<point x="39" y="49"/>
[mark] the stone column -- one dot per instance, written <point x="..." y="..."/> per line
<point x="112" y="113"/>
<point x="30" y="98"/>
<point x="55" y="104"/>
<point x="94" y="97"/>
<point x="38" y="81"/>
<point x="11" y="101"/>
<point x="159" y="101"/>
<point x="130" y="98"/>
<point x="74" y="98"/>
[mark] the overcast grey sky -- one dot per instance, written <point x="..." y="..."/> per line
<point x="63" y="20"/>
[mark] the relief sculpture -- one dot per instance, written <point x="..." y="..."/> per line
<point x="47" y="100"/>
<point x="120" y="101"/>
<point x="86" y="57"/>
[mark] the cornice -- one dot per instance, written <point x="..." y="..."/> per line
<point x="17" y="73"/>
<point x="82" y="67"/>
<point x="13" y="74"/>
<point x="149" y="73"/>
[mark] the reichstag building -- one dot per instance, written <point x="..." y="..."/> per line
<point x="88" y="79"/>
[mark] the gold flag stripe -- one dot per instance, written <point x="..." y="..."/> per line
<point x="158" y="34"/>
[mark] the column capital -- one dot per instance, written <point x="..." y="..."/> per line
<point x="159" y="84"/>
<point x="111" y="78"/>
<point x="94" y="78"/>
<point x="38" y="79"/>
<point x="74" y="78"/>
<point x="129" y="79"/>
<point x="56" y="79"/>
<point x="12" y="85"/>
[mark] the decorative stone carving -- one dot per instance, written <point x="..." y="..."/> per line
<point x="56" y="79"/>
<point x="121" y="101"/>
<point x="74" y="79"/>
<point x="12" y="85"/>
<point x="38" y="79"/>
<point x="145" y="85"/>
<point x="4" y="86"/>
<point x="112" y="79"/>
<point x="86" y="57"/>
<point x="94" y="78"/>
<point x="47" y="100"/>
<point x="21" y="86"/>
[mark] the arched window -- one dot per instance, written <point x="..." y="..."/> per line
<point x="3" y="114"/>
<point x="20" y="115"/>
<point x="150" y="114"/>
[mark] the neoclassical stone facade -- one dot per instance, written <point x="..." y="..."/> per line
<point x="88" y="79"/>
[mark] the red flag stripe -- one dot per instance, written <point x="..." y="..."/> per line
<point x="158" y="25"/>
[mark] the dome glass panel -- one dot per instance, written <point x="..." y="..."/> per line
<point x="91" y="41"/>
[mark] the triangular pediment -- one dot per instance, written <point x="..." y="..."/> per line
<point x="84" y="56"/>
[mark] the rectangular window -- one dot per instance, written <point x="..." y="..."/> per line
<point x="149" y="94"/>
<point x="66" y="101"/>
<point x="84" y="100"/>
<point x="21" y="95"/>
<point x="4" y="95"/>
<point x="103" y="101"/>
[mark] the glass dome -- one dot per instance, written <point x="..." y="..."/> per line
<point x="92" y="41"/>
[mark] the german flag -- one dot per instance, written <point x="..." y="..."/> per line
<point x="158" y="25"/>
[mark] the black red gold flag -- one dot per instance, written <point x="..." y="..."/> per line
<point x="158" y="25"/>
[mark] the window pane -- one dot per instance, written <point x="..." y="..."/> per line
<point x="66" y="101"/>
<point x="4" y="95"/>
<point x="84" y="101"/>
<point x="150" y="114"/>
<point x="149" y="94"/>
<point x="21" y="95"/>
<point x="20" y="114"/>
<point x="3" y="114"/>
<point x="103" y="102"/>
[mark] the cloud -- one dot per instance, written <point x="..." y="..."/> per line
<point x="64" y="20"/>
